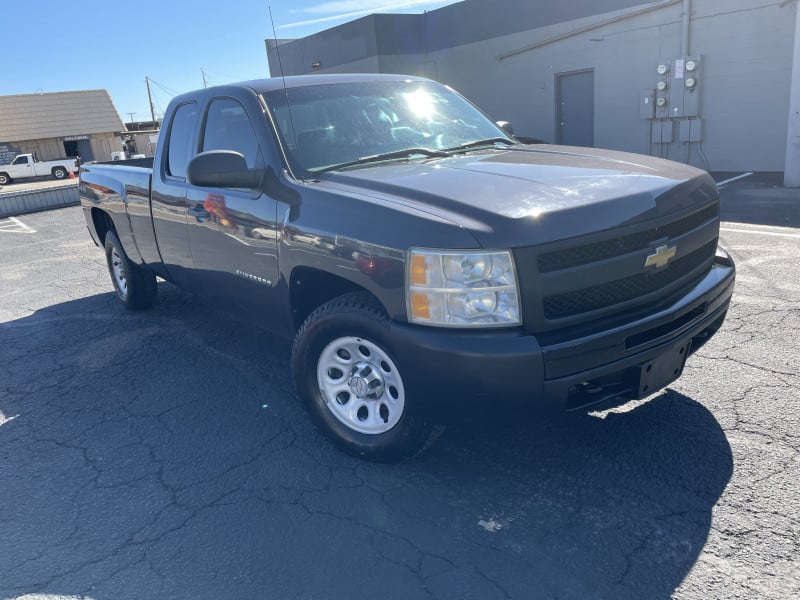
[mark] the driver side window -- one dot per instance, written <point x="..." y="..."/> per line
<point x="20" y="160"/>
<point x="228" y="128"/>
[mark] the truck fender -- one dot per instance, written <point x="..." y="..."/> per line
<point x="109" y="197"/>
<point x="310" y="288"/>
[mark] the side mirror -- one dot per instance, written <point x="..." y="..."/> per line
<point x="506" y="127"/>
<point x="222" y="169"/>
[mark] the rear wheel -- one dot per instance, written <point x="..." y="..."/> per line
<point x="59" y="172"/>
<point x="352" y="385"/>
<point x="135" y="286"/>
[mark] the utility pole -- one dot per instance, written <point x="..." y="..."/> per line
<point x="150" y="98"/>
<point x="203" y="73"/>
<point x="130" y="114"/>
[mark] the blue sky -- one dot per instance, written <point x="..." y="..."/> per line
<point x="54" y="46"/>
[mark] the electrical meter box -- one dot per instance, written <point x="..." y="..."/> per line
<point x="664" y="71"/>
<point x="691" y="87"/>
<point x="690" y="130"/>
<point x="684" y="97"/>
<point x="661" y="131"/>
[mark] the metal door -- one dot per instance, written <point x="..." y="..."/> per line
<point x="575" y="108"/>
<point x="85" y="150"/>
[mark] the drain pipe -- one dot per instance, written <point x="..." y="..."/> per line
<point x="791" y="172"/>
<point x="685" y="21"/>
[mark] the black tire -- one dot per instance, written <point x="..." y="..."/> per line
<point x="5" y="179"/>
<point x="138" y="289"/>
<point x="59" y="172"/>
<point x="358" y="315"/>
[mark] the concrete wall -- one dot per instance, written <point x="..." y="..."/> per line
<point x="299" y="62"/>
<point x="47" y="149"/>
<point x="143" y="143"/>
<point x="745" y="82"/>
<point x="19" y="203"/>
<point x="103" y="144"/>
<point x="746" y="46"/>
<point x="404" y="34"/>
<point x="53" y="148"/>
<point x="333" y="48"/>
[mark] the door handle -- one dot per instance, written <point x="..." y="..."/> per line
<point x="199" y="212"/>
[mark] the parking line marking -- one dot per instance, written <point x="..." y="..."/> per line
<point x="14" y="225"/>
<point x="20" y="223"/>
<point x="760" y="232"/>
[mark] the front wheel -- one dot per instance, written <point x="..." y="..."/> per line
<point x="352" y="385"/>
<point x="59" y="172"/>
<point x="5" y="179"/>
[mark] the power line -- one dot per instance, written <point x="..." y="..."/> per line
<point x="164" y="88"/>
<point x="228" y="76"/>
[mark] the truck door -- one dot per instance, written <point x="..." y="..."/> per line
<point x="233" y="231"/>
<point x="22" y="167"/>
<point x="168" y="193"/>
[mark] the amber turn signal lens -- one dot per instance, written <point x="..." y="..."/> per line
<point x="420" y="308"/>
<point x="419" y="275"/>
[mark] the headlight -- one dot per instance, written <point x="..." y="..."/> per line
<point x="462" y="288"/>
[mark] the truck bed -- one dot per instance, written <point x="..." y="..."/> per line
<point x="131" y="162"/>
<point x="122" y="188"/>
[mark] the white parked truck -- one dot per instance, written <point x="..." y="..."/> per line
<point x="26" y="165"/>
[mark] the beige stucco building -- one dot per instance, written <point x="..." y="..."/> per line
<point x="59" y="124"/>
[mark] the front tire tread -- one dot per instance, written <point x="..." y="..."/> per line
<point x="360" y="315"/>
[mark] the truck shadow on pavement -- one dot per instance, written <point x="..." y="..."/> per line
<point x="164" y="455"/>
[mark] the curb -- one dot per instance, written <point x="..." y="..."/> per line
<point x="18" y="203"/>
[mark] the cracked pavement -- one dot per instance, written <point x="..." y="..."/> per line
<point x="164" y="454"/>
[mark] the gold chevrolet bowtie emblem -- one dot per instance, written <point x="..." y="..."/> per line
<point x="661" y="256"/>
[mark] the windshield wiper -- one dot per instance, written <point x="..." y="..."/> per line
<point x="477" y="143"/>
<point x="373" y="158"/>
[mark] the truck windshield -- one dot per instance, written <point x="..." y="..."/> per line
<point x="338" y="124"/>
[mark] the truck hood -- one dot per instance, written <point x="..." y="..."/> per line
<point x="527" y="195"/>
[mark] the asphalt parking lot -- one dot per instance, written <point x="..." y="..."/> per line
<point x="163" y="454"/>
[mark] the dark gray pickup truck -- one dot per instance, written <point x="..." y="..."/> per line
<point x="419" y="256"/>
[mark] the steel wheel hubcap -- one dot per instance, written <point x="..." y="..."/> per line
<point x="361" y="385"/>
<point x="119" y="273"/>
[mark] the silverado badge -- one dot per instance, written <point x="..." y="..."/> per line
<point x="661" y="257"/>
